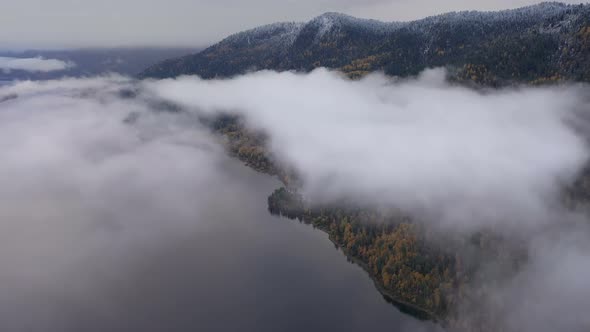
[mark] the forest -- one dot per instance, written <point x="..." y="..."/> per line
<point x="543" y="43"/>
<point x="424" y="272"/>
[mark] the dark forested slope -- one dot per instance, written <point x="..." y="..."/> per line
<point x="549" y="41"/>
<point x="536" y="44"/>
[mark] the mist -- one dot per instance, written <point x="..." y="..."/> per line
<point x="459" y="160"/>
<point x="33" y="64"/>
<point x="465" y="158"/>
<point x="86" y="194"/>
<point x="95" y="175"/>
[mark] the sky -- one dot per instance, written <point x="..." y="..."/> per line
<point x="195" y="23"/>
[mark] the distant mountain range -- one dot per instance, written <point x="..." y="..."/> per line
<point x="93" y="61"/>
<point x="545" y="42"/>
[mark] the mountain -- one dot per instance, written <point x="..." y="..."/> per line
<point x="549" y="41"/>
<point x="93" y="61"/>
<point x="535" y="44"/>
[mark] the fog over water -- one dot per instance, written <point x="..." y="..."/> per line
<point x="118" y="214"/>
<point x="234" y="268"/>
<point x="38" y="64"/>
<point x="116" y="217"/>
<point x="459" y="160"/>
<point x="468" y="158"/>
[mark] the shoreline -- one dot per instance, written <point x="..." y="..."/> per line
<point x="403" y="306"/>
<point x="236" y="139"/>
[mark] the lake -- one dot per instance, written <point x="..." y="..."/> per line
<point x="237" y="269"/>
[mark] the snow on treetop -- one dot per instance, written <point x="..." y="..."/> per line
<point x="536" y="12"/>
<point x="284" y="34"/>
<point x="281" y="33"/>
<point x="328" y="21"/>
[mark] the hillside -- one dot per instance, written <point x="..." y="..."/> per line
<point x="536" y="44"/>
<point x="549" y="41"/>
<point x="429" y="274"/>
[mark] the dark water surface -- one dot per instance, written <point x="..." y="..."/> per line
<point x="238" y="269"/>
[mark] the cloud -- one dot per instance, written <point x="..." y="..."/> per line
<point x="116" y="215"/>
<point x="87" y="191"/>
<point x="460" y="160"/>
<point x="91" y="169"/>
<point x="552" y="289"/>
<point x="465" y="158"/>
<point x="37" y="64"/>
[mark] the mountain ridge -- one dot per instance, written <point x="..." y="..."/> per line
<point x="539" y="43"/>
<point x="533" y="44"/>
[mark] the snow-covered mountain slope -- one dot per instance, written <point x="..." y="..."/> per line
<point x="330" y="22"/>
<point x="536" y="43"/>
<point x="278" y="34"/>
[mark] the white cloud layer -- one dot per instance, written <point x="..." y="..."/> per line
<point x="86" y="192"/>
<point x="37" y="64"/>
<point x="90" y="170"/>
<point x="463" y="157"/>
